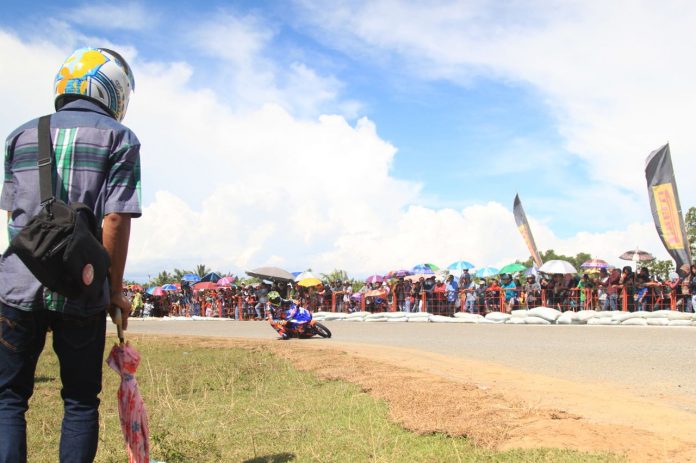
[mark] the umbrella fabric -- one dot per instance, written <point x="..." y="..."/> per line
<point x="191" y="278"/>
<point x="486" y="272"/>
<point x="311" y="281"/>
<point x="356" y="296"/>
<point x="169" y="287"/>
<point x="225" y="281"/>
<point x="425" y="268"/>
<point x="124" y="360"/>
<point x="306" y="275"/>
<point x="205" y="285"/>
<point x="272" y="273"/>
<point x="531" y="272"/>
<point x="594" y="263"/>
<point x="374" y="279"/>
<point x="398" y="273"/>
<point x="151" y="290"/>
<point x="637" y="255"/>
<point x="136" y="287"/>
<point x="512" y="268"/>
<point x="460" y="265"/>
<point x="557" y="266"/>
<point x="212" y="276"/>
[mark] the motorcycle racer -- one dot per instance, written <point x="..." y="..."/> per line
<point x="285" y="316"/>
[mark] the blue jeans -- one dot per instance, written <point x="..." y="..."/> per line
<point x="79" y="344"/>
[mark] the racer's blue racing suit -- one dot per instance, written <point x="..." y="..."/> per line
<point x="292" y="319"/>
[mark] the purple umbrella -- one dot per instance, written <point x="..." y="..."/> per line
<point x="374" y="279"/>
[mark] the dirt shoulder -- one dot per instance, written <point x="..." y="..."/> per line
<point x="501" y="407"/>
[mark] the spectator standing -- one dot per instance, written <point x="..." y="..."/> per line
<point x="97" y="162"/>
<point x="452" y="290"/>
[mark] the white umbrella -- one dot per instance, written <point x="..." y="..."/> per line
<point x="557" y="266"/>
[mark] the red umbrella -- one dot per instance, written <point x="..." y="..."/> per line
<point x="124" y="360"/>
<point x="205" y="285"/>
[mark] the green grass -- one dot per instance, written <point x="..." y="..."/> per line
<point x="210" y="404"/>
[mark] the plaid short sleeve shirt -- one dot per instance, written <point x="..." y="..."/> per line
<point x="96" y="162"/>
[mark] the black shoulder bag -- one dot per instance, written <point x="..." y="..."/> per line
<point x="61" y="245"/>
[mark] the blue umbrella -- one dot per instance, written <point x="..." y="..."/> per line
<point x="460" y="265"/>
<point x="191" y="278"/>
<point x="212" y="277"/>
<point x="424" y="269"/>
<point x="169" y="287"/>
<point x="151" y="290"/>
<point x="486" y="272"/>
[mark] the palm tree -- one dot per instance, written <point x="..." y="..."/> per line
<point x="163" y="278"/>
<point x="201" y="270"/>
<point x="179" y="274"/>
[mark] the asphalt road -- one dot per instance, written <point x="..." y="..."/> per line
<point x="651" y="358"/>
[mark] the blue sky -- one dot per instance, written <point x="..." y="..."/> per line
<point x="416" y="109"/>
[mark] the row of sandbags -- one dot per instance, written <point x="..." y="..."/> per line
<point x="535" y="316"/>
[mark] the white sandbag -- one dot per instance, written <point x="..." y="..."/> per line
<point x="371" y="320"/>
<point x="680" y="322"/>
<point x="441" y="319"/>
<point x="485" y="321"/>
<point x="375" y="316"/>
<point x="603" y="313"/>
<point x="418" y="317"/>
<point x="354" y="319"/>
<point x="397" y="319"/>
<point x="567" y="318"/>
<point x="600" y="321"/>
<point x="521" y="313"/>
<point x="676" y="315"/>
<point x="643" y="314"/>
<point x="547" y="313"/>
<point x="466" y="317"/>
<point x="622" y="316"/>
<point x="583" y="316"/>
<point x="465" y="320"/>
<point x="497" y="316"/>
<point x="536" y="321"/>
<point x="515" y="320"/>
<point x="358" y="315"/>
<point x="658" y="321"/>
<point x="636" y="321"/>
<point x="321" y="313"/>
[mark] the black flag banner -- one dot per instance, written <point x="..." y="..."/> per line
<point x="664" y="204"/>
<point x="523" y="227"/>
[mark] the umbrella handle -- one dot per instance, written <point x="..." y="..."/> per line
<point x="118" y="320"/>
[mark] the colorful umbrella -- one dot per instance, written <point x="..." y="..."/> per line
<point x="212" y="276"/>
<point x="398" y="273"/>
<point x="226" y="281"/>
<point x="309" y="281"/>
<point x="460" y="265"/>
<point x="191" y="278"/>
<point x="169" y="287"/>
<point x="486" y="272"/>
<point x="135" y="287"/>
<point x="124" y="360"/>
<point x="557" y="266"/>
<point x="512" y="268"/>
<point x="374" y="279"/>
<point x="202" y="285"/>
<point x="637" y="255"/>
<point x="595" y="263"/>
<point x="155" y="291"/>
<point x="425" y="268"/>
<point x="271" y="273"/>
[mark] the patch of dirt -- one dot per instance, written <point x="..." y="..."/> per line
<point x="495" y="406"/>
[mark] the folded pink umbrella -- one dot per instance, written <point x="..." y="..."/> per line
<point x="124" y="360"/>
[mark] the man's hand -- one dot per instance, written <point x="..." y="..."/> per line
<point x="118" y="300"/>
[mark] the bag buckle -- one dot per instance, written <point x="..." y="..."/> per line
<point x="47" y="205"/>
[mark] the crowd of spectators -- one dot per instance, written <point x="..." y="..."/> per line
<point x="615" y="289"/>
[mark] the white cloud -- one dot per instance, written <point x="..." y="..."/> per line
<point x="616" y="75"/>
<point x="236" y="189"/>
<point x="127" y="16"/>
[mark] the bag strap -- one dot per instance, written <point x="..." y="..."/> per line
<point x="45" y="159"/>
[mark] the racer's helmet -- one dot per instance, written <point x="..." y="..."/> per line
<point x="274" y="299"/>
<point x="97" y="74"/>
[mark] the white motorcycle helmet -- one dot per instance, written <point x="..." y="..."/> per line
<point x="98" y="74"/>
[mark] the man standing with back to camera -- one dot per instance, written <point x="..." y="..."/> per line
<point x="96" y="162"/>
